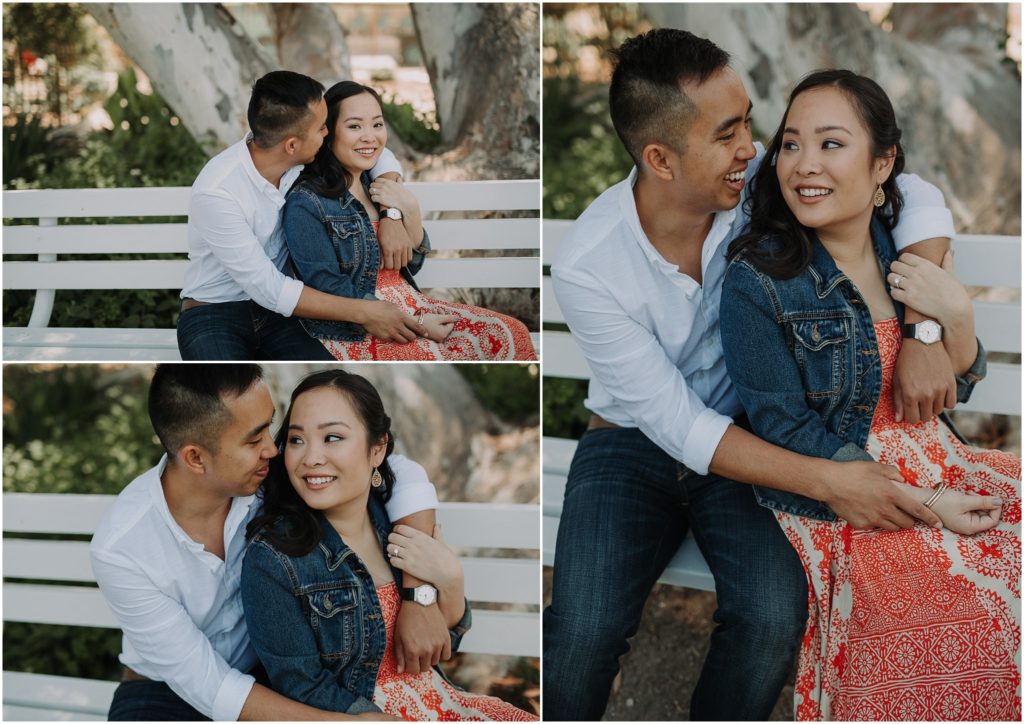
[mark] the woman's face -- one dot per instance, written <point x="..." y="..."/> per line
<point x="359" y="133"/>
<point x="326" y="454"/>
<point x="825" y="165"/>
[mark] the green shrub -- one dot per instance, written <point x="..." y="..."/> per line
<point x="507" y="391"/>
<point x="419" y="130"/>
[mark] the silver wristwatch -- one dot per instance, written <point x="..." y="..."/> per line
<point x="424" y="594"/>
<point x="926" y="332"/>
<point x="393" y="213"/>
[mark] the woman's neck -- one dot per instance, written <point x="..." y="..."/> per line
<point x="357" y="189"/>
<point x="351" y="520"/>
<point x="848" y="246"/>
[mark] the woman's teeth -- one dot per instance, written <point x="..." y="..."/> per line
<point x="319" y="481"/>
<point x="814" y="192"/>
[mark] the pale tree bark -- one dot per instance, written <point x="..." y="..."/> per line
<point x="957" y="99"/>
<point x="483" y="64"/>
<point x="310" y="40"/>
<point x="198" y="58"/>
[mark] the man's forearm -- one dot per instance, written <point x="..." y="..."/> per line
<point x="314" y="304"/>
<point x="933" y="250"/>
<point x="264" y="704"/>
<point x="423" y="521"/>
<point x="744" y="457"/>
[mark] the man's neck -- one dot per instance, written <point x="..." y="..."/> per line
<point x="190" y="504"/>
<point x="270" y="164"/>
<point x="678" y="233"/>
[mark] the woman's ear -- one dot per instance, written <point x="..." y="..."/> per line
<point x="884" y="165"/>
<point x="378" y="452"/>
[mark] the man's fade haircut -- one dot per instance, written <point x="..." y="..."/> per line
<point x="646" y="101"/>
<point x="279" y="103"/>
<point x="186" y="401"/>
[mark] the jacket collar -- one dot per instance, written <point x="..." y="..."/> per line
<point x="827" y="275"/>
<point x="333" y="547"/>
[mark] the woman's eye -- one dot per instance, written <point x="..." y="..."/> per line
<point x="354" y="127"/>
<point x="829" y="145"/>
<point x="378" y="124"/>
<point x="789" y="146"/>
<point x="333" y="438"/>
<point x="294" y="440"/>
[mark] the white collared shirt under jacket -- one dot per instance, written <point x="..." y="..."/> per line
<point x="236" y="248"/>
<point x="650" y="333"/>
<point x="178" y="605"/>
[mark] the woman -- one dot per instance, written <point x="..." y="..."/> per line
<point x="319" y="595"/>
<point x="330" y="225"/>
<point x="914" y="624"/>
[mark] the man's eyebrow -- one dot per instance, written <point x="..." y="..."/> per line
<point x="729" y="122"/>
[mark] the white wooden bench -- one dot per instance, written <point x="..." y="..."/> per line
<point x="44" y="568"/>
<point x="49" y="274"/>
<point x="982" y="261"/>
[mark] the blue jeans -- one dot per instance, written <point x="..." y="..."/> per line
<point x="628" y="506"/>
<point x="150" y="701"/>
<point x="242" y="331"/>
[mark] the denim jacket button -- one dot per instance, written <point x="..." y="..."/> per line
<point x="815" y="334"/>
<point x="328" y="603"/>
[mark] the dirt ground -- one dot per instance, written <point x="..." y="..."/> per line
<point x="661" y="669"/>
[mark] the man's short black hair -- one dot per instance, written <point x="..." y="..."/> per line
<point x="646" y="100"/>
<point x="279" y="104"/>
<point x="186" y="401"/>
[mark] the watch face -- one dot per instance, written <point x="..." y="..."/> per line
<point x="394" y="213"/>
<point x="425" y="595"/>
<point x="929" y="332"/>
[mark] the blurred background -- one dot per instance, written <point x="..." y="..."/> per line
<point x="953" y="72"/>
<point x="112" y="95"/>
<point x="85" y="429"/>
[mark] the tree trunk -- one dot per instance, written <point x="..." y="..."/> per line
<point x="197" y="56"/>
<point x="310" y="40"/>
<point x="957" y="99"/>
<point x="483" y="67"/>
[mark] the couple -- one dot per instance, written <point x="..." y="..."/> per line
<point x="294" y="253"/>
<point x="262" y="578"/>
<point x="836" y="355"/>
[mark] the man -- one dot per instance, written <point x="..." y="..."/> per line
<point x="639" y="281"/>
<point x="237" y="302"/>
<point x="168" y="553"/>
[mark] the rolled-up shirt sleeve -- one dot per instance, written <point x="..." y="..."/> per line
<point x="630" y="363"/>
<point x="387" y="163"/>
<point x="924" y="214"/>
<point x="160" y="630"/>
<point x="413" y="491"/>
<point x="220" y="222"/>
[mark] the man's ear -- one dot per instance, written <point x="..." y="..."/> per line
<point x="656" y="159"/>
<point x="290" y="144"/>
<point x="193" y="458"/>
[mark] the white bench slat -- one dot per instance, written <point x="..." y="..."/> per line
<point x="999" y="392"/>
<point x="495" y="273"/>
<point x="557" y="455"/>
<point x="32" y="696"/>
<point x="502" y="580"/>
<point x="173" y="238"/>
<point x="562" y="358"/>
<point x="54" y="513"/>
<point x="511" y="633"/>
<point x="173" y="200"/>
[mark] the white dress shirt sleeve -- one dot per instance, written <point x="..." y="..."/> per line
<point x="924" y="214"/>
<point x="160" y="630"/>
<point x="413" y="490"/>
<point x="631" y="365"/>
<point x="220" y="222"/>
<point x="387" y="163"/>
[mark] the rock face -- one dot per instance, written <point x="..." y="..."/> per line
<point x="438" y="422"/>
<point x="957" y="98"/>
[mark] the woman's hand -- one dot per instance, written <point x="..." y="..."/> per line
<point x="393" y="194"/>
<point x="423" y="556"/>
<point x="931" y="290"/>
<point x="436" y="327"/>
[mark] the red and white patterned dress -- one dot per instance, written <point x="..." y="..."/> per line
<point x="479" y="334"/>
<point x="918" y="624"/>
<point x="426" y="696"/>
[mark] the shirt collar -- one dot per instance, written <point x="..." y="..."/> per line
<point x="287" y="178"/>
<point x="720" y="228"/>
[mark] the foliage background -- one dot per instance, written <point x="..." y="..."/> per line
<point x="85" y="429"/>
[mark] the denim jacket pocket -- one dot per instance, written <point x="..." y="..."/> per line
<point x="333" y="614"/>
<point x="346" y="235"/>
<point x="820" y="348"/>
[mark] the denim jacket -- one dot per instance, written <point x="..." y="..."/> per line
<point x="333" y="248"/>
<point x="803" y="356"/>
<point x="315" y="620"/>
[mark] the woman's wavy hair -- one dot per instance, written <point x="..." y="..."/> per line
<point x="771" y="218"/>
<point x="325" y="175"/>
<point x="285" y="520"/>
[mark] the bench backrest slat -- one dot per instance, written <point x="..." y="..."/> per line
<point x="173" y="238"/>
<point x="23" y="693"/>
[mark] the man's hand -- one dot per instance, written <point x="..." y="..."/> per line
<point x="862" y="493"/>
<point x="377" y="716"/>
<point x="395" y="245"/>
<point x="923" y="384"/>
<point x="421" y="638"/>
<point x="387" y="322"/>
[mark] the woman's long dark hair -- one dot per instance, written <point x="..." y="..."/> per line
<point x="285" y="520"/>
<point x="770" y="217"/>
<point x="325" y="175"/>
